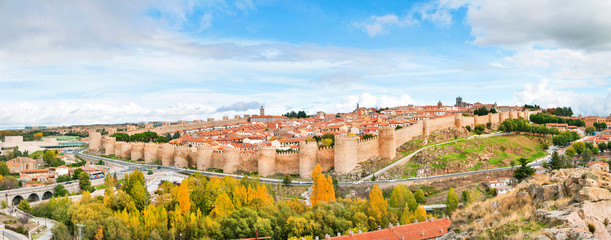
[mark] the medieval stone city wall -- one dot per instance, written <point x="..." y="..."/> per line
<point x="325" y="157"/>
<point x="249" y="161"/>
<point x="287" y="162"/>
<point x="343" y="157"/>
<point x="182" y="125"/>
<point x="407" y="133"/>
<point x="367" y="149"/>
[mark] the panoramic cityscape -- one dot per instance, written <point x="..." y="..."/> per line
<point x="305" y="120"/>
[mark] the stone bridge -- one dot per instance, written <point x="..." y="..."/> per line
<point x="34" y="194"/>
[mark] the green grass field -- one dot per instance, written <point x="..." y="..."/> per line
<point x="500" y="150"/>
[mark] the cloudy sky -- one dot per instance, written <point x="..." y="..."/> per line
<point x="84" y="62"/>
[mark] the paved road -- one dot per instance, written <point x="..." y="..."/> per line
<point x="10" y="235"/>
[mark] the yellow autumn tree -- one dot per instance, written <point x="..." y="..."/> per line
<point x="407" y="217"/>
<point x="183" y="197"/>
<point x="100" y="233"/>
<point x="322" y="187"/>
<point x="378" y="206"/>
<point x="420" y="213"/>
<point x="85" y="197"/>
<point x="222" y="206"/>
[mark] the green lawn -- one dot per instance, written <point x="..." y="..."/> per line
<point x="500" y="150"/>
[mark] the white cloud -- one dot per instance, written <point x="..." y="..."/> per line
<point x="377" y="25"/>
<point x="562" y="23"/>
<point x="544" y="95"/>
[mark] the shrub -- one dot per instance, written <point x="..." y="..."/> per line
<point x="591" y="228"/>
<point x="150" y="172"/>
<point x="489" y="125"/>
<point x="287" y="179"/>
<point x="468" y="128"/>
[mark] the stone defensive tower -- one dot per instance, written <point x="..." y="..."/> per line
<point x="386" y="142"/>
<point x="125" y="150"/>
<point x="181" y="155"/>
<point x="262" y="111"/>
<point x="503" y="116"/>
<point x="95" y="142"/>
<point x="267" y="161"/>
<point x="307" y="158"/>
<point x="204" y="157"/>
<point x="150" y="152"/>
<point x="118" y="149"/>
<point x="426" y="128"/>
<point x="232" y="160"/>
<point x="345" y="153"/>
<point x="512" y="114"/>
<point x="167" y="155"/>
<point x="458" y="120"/>
<point x="137" y="151"/>
<point x="109" y="145"/>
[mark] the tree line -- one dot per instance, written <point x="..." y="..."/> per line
<point x="293" y="114"/>
<point x="542" y="118"/>
<point x="483" y="111"/>
<point x="145" y="137"/>
<point x="561" y="111"/>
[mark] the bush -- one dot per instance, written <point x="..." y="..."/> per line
<point x="150" y="172"/>
<point x="489" y="125"/>
<point x="591" y="228"/>
<point x="24" y="205"/>
<point x="287" y="179"/>
<point x="468" y="128"/>
<point x="100" y="162"/>
<point x="491" y="192"/>
<point x="479" y="129"/>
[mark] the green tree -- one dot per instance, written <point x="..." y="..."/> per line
<point x="4" y="169"/>
<point x="557" y="161"/>
<point x="419" y="195"/>
<point x="523" y="171"/>
<point x="513" y="163"/>
<point x="590" y="130"/>
<point x="451" y="200"/>
<point x="481" y="111"/>
<point x="570" y="151"/>
<point x="60" y="191"/>
<point x="586" y="156"/>
<point x="602" y="147"/>
<point x="84" y="182"/>
<point x="176" y="135"/>
<point x="398" y="197"/>
<point x="466" y="197"/>
<point x="162" y="139"/>
<point x="49" y="156"/>
<point x="123" y="137"/>
<point x="24" y="205"/>
<point x="579" y="147"/>
<point x="61" y="232"/>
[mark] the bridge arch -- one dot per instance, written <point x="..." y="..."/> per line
<point x="47" y="195"/>
<point x="17" y="199"/>
<point x="33" y="198"/>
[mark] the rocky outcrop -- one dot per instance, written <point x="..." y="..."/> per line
<point x="570" y="203"/>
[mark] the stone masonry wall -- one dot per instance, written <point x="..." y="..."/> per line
<point x="367" y="149"/>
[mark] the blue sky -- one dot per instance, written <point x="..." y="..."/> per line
<point x="84" y="62"/>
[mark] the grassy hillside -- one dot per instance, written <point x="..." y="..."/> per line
<point x="475" y="154"/>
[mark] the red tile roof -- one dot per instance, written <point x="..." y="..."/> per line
<point x="414" y="231"/>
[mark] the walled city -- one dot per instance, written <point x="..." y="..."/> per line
<point x="348" y="151"/>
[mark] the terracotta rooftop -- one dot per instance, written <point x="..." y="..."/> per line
<point x="414" y="231"/>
